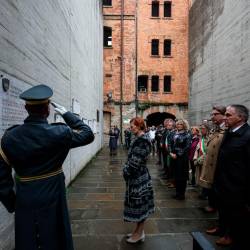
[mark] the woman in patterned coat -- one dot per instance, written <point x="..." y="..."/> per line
<point x="139" y="199"/>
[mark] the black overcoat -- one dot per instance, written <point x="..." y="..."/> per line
<point x="232" y="185"/>
<point x="33" y="149"/>
<point x="113" y="137"/>
<point x="180" y="145"/>
<point x="232" y="176"/>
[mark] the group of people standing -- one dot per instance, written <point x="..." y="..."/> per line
<point x="219" y="161"/>
<point x="218" y="158"/>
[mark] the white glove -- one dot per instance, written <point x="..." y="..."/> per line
<point x="58" y="108"/>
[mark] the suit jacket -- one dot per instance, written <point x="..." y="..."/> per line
<point x="232" y="177"/>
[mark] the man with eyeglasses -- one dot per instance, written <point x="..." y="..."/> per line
<point x="232" y="177"/>
<point x="208" y="171"/>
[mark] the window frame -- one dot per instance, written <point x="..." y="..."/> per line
<point x="107" y="4"/>
<point x="153" y="48"/>
<point x="155" y="80"/>
<point x="169" y="10"/>
<point x="169" y="82"/>
<point x="154" y="5"/>
<point x="144" y="85"/>
<point x="106" y="37"/>
<point x="167" y="49"/>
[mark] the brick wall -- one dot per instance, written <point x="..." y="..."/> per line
<point x="174" y="28"/>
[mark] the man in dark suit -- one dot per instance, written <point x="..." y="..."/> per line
<point x="232" y="176"/>
<point x="36" y="151"/>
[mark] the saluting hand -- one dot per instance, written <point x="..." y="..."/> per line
<point x="58" y="108"/>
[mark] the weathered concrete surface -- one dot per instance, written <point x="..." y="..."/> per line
<point x="96" y="207"/>
<point x="54" y="42"/>
<point x="219" y="52"/>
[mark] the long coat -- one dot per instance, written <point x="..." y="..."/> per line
<point x="139" y="198"/>
<point x="36" y="150"/>
<point x="113" y="138"/>
<point x="180" y="145"/>
<point x="232" y="184"/>
<point x="210" y="160"/>
<point x="232" y="176"/>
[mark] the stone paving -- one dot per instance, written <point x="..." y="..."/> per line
<point x="96" y="206"/>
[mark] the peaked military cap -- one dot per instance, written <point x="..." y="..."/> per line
<point x="37" y="95"/>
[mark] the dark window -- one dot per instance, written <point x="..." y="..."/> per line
<point x="155" y="8"/>
<point x="155" y="47"/>
<point x="107" y="2"/>
<point x="142" y="83"/>
<point x="167" y="9"/>
<point x="107" y="37"/>
<point x="155" y="84"/>
<point x="167" y="84"/>
<point x="167" y="47"/>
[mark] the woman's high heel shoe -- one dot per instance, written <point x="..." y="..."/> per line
<point x="130" y="234"/>
<point x="141" y="239"/>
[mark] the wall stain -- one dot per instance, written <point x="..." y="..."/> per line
<point x="4" y="27"/>
<point x="203" y="19"/>
<point x="11" y="3"/>
<point x="18" y="49"/>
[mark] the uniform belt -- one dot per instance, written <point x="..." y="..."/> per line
<point x="39" y="177"/>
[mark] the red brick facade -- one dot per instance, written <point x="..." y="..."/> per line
<point x="132" y="56"/>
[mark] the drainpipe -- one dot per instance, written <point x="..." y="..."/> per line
<point x="136" y="61"/>
<point x="121" y="68"/>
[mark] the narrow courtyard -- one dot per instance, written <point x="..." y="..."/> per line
<point x="96" y="207"/>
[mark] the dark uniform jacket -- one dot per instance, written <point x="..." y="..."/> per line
<point x="36" y="150"/>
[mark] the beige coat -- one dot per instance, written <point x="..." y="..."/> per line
<point x="209" y="165"/>
<point x="199" y="159"/>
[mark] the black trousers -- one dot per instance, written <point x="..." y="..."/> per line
<point x="240" y="229"/>
<point x="212" y="200"/>
<point x="193" y="168"/>
<point x="180" y="187"/>
<point x="234" y="220"/>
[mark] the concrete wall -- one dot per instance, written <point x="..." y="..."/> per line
<point x="219" y="51"/>
<point x="58" y="43"/>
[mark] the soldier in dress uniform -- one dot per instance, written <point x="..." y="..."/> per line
<point x="36" y="151"/>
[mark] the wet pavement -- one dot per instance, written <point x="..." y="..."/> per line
<point x="96" y="208"/>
